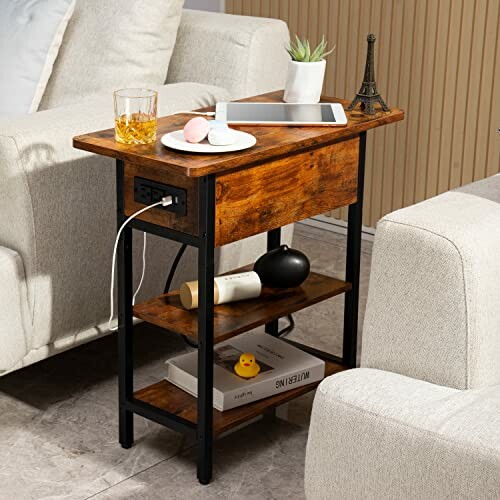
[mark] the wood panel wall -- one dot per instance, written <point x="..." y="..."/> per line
<point x="436" y="59"/>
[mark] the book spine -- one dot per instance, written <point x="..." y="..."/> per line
<point x="188" y="383"/>
<point x="273" y="386"/>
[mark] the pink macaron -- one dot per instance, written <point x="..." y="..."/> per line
<point x="196" y="129"/>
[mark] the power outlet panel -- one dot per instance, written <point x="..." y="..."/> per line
<point x="148" y="192"/>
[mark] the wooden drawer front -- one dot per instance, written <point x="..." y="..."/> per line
<point x="272" y="195"/>
<point x="187" y="223"/>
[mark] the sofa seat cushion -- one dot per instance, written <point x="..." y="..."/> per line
<point x="31" y="34"/>
<point x="113" y="44"/>
<point x="377" y="434"/>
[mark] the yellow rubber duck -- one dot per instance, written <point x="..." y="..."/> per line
<point x="247" y="366"/>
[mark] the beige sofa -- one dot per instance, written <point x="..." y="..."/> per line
<point x="421" y="418"/>
<point x="57" y="204"/>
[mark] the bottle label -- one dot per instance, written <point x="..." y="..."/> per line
<point x="239" y="286"/>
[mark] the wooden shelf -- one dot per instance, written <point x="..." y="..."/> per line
<point x="167" y="312"/>
<point x="170" y="398"/>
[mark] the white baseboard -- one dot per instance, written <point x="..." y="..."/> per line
<point x="336" y="226"/>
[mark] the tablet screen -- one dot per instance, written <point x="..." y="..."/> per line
<point x="264" y="112"/>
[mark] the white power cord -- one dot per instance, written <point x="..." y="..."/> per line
<point x="201" y="113"/>
<point x="165" y="201"/>
<point x="143" y="267"/>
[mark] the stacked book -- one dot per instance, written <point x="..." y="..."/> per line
<point x="282" y="367"/>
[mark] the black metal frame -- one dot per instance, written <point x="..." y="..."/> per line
<point x="353" y="260"/>
<point x="273" y="241"/>
<point x="205" y="243"/>
<point x="206" y="326"/>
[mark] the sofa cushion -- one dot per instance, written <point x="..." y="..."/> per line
<point x="245" y="55"/>
<point x="113" y="44"/>
<point x="30" y="36"/>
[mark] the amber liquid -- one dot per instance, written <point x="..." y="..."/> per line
<point x="137" y="128"/>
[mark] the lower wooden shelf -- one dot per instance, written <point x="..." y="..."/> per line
<point x="170" y="398"/>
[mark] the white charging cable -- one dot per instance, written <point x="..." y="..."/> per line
<point x="201" y="113"/>
<point x="165" y="201"/>
<point x="144" y="235"/>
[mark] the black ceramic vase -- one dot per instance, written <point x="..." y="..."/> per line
<point x="282" y="268"/>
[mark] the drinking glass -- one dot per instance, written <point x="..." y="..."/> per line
<point x="135" y="116"/>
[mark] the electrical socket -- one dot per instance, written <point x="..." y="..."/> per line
<point x="148" y="192"/>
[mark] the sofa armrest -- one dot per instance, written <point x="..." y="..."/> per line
<point x="245" y="55"/>
<point x="57" y="207"/>
<point x="433" y="302"/>
<point x="15" y="318"/>
<point x="376" y="434"/>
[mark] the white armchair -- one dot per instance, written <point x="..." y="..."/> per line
<point x="433" y="314"/>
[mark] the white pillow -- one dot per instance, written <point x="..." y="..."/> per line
<point x="31" y="33"/>
<point x="111" y="44"/>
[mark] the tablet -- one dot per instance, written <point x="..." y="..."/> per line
<point x="263" y="113"/>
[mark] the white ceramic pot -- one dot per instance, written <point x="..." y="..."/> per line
<point x="304" y="81"/>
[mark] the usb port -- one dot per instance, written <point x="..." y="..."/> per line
<point x="148" y="192"/>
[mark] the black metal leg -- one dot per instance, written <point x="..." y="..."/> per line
<point x="273" y="241"/>
<point x="355" y="221"/>
<point x="206" y="328"/>
<point x="125" y="325"/>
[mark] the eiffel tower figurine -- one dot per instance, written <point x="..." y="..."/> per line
<point x="368" y="94"/>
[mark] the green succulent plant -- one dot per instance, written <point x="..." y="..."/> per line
<point x="300" y="50"/>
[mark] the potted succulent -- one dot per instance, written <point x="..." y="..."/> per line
<point x="306" y="71"/>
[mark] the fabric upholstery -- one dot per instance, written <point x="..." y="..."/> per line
<point x="113" y="44"/>
<point x="58" y="211"/>
<point x="245" y="55"/>
<point x="15" y="321"/>
<point x="379" y="435"/>
<point x="30" y="36"/>
<point x="433" y="303"/>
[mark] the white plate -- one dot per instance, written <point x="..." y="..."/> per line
<point x="175" y="140"/>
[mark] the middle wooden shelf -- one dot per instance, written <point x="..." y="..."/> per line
<point x="166" y="311"/>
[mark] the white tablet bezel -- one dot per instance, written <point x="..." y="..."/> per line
<point x="337" y="110"/>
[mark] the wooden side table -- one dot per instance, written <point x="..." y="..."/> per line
<point x="292" y="173"/>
